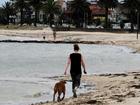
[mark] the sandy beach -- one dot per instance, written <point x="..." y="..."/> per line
<point x="124" y="39"/>
<point x="110" y="89"/>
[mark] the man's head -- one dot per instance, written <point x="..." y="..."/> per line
<point x="76" y="47"/>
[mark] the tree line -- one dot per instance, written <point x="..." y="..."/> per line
<point x="78" y="11"/>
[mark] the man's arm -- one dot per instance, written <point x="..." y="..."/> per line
<point x="67" y="65"/>
<point x="83" y="65"/>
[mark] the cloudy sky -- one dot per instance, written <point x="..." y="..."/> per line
<point x="2" y="1"/>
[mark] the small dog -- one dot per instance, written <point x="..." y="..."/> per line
<point x="59" y="88"/>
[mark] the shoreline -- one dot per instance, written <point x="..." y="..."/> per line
<point x="36" y="36"/>
<point x="55" y="42"/>
<point x="136" y="50"/>
<point x="111" y="89"/>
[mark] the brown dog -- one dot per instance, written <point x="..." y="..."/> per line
<point x="59" y="88"/>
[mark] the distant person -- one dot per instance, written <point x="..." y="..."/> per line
<point x="122" y="25"/>
<point x="75" y="60"/>
<point x="44" y="35"/>
<point x="54" y="34"/>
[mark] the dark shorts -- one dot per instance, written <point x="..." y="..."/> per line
<point x="76" y="78"/>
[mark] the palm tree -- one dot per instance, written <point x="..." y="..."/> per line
<point x="21" y="5"/>
<point x="132" y="6"/>
<point x="2" y="16"/>
<point x="28" y="13"/>
<point x="51" y="8"/>
<point x="7" y="9"/>
<point x="106" y="4"/>
<point x="80" y="9"/>
<point x="36" y="4"/>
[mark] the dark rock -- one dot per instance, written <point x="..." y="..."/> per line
<point x="136" y="86"/>
<point x="105" y="75"/>
<point x="118" y="98"/>
<point x="135" y="77"/>
<point x="131" y="94"/>
<point x="122" y="74"/>
<point x="94" y="102"/>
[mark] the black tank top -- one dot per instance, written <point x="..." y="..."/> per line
<point x="75" y="63"/>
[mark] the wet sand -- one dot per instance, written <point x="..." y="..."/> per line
<point x="110" y="89"/>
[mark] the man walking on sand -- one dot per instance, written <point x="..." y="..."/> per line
<point x="75" y="60"/>
<point x="54" y="34"/>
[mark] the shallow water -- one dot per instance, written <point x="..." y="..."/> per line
<point x="24" y="68"/>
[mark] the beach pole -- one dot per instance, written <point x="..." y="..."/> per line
<point x="137" y="24"/>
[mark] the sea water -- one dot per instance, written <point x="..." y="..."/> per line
<point x="26" y="68"/>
